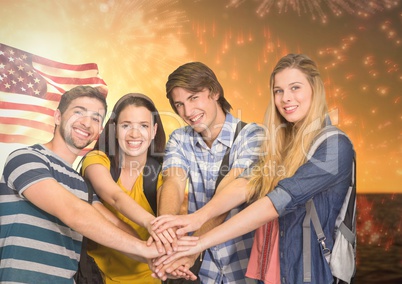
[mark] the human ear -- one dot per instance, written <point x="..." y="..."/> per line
<point x="57" y="117"/>
<point x="154" y="130"/>
<point x="215" y="96"/>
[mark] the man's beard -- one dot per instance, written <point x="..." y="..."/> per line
<point x="70" y="141"/>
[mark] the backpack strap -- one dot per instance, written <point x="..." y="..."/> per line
<point x="150" y="181"/>
<point x="311" y="215"/>
<point x="350" y="215"/>
<point x="84" y="269"/>
<point x="150" y="174"/>
<point x="224" y="168"/>
<point x="90" y="190"/>
<point x="346" y="226"/>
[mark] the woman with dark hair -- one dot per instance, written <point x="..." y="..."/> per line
<point x="117" y="169"/>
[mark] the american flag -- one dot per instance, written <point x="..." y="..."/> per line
<point x="30" y="89"/>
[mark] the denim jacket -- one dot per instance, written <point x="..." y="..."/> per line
<point x="326" y="177"/>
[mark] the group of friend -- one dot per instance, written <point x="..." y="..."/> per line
<point x="247" y="229"/>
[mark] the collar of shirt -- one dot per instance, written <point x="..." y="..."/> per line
<point x="225" y="136"/>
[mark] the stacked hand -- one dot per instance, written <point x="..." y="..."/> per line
<point x="181" y="250"/>
<point x="182" y="223"/>
<point x="165" y="240"/>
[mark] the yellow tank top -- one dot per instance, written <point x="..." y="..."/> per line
<point x="116" y="267"/>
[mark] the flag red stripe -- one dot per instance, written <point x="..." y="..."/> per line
<point x="15" y="138"/>
<point x="72" y="81"/>
<point x="34" y="108"/>
<point x="81" y="67"/>
<point x="27" y="122"/>
<point x="52" y="97"/>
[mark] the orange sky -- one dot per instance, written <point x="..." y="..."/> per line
<point x="137" y="44"/>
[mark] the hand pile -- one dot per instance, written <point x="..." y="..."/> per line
<point x="178" y="250"/>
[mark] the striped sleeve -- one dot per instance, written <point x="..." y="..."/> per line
<point x="23" y="169"/>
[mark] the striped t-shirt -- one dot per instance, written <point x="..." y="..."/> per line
<point x="36" y="247"/>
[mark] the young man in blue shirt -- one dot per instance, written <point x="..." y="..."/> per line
<point x="194" y="153"/>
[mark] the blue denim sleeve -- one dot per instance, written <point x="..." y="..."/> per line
<point x="330" y="164"/>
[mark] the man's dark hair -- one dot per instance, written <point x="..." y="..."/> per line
<point x="195" y="77"/>
<point x="79" y="92"/>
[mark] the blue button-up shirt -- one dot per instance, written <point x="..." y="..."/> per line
<point x="186" y="149"/>
<point x="326" y="177"/>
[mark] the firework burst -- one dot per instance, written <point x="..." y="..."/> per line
<point x="319" y="9"/>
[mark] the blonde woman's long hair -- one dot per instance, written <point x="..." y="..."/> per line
<point x="287" y="144"/>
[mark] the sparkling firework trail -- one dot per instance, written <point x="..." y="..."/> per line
<point x="318" y="8"/>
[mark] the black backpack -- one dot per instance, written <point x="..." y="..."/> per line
<point x="88" y="272"/>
